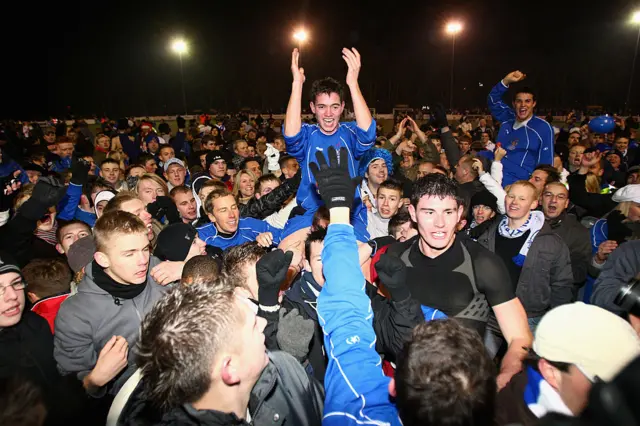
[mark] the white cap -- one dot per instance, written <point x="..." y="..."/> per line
<point x="596" y="341"/>
<point x="171" y="161"/>
<point x="627" y="193"/>
<point x="103" y="196"/>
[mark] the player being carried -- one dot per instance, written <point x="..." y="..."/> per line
<point x="304" y="140"/>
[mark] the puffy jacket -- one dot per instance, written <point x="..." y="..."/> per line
<point x="546" y="280"/>
<point x="283" y="395"/>
<point x="89" y="318"/>
<point x="260" y="208"/>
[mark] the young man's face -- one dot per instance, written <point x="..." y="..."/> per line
<point x="437" y="220"/>
<point x="50" y="137"/>
<point x="125" y="257"/>
<point x="12" y="301"/>
<point x="482" y="213"/>
<point x="484" y="138"/>
<point x="389" y="202"/>
<point x="597" y="138"/>
<point x="136" y="207"/>
<point x="149" y="191"/>
<point x="251" y="151"/>
<point x="89" y="159"/>
<point x="464" y="146"/>
<point x="254" y="167"/>
<point x="249" y="349"/>
<point x="574" y="139"/>
<point x="104" y="143"/>
<point x="150" y="166"/>
<point x="225" y="214"/>
<point x="70" y="234"/>
<point x="519" y="202"/>
<point x="65" y="149"/>
<point x="203" y="161"/>
<point x="314" y="264"/>
<point x="137" y="171"/>
<point x="424" y="169"/>
<point x="209" y="146"/>
<point x="523" y="106"/>
<point x="166" y="154"/>
<point x="176" y="174"/>
<point x="377" y="171"/>
<point x="328" y="109"/>
<point x="218" y="169"/>
<point x="110" y="172"/>
<point x="539" y="179"/>
<point x="33" y="176"/>
<point x="153" y="146"/>
<point x="279" y="144"/>
<point x="555" y="199"/>
<point x="198" y="248"/>
<point x="267" y="187"/>
<point x="186" y="204"/>
<point x="290" y="168"/>
<point x="575" y="155"/>
<point x="241" y="149"/>
<point x="622" y="144"/>
<point x="405" y="232"/>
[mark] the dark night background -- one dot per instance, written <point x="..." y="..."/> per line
<point x="113" y="58"/>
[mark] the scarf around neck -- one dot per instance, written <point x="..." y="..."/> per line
<point x="534" y="223"/>
<point x="115" y="289"/>
<point x="541" y="398"/>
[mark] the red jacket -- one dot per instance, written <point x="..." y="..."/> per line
<point x="48" y="308"/>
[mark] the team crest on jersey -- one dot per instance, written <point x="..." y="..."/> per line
<point x="513" y="145"/>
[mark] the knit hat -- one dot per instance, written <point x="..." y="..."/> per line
<point x="375" y="154"/>
<point x="596" y="341"/>
<point x="8" y="264"/>
<point x="35" y="168"/>
<point x="215" y="156"/>
<point x="484" y="198"/>
<point x="627" y="193"/>
<point x="146" y="124"/>
<point x="81" y="253"/>
<point x="171" y="161"/>
<point x="174" y="242"/>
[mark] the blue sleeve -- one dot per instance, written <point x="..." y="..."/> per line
<point x="297" y="145"/>
<point x="86" y="217"/>
<point x="599" y="233"/>
<point x="262" y="226"/>
<point x="69" y="203"/>
<point x="356" y="391"/>
<point x="545" y="155"/>
<point x="500" y="110"/>
<point x="361" y="140"/>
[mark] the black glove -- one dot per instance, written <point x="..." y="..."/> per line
<point x="439" y="118"/>
<point x="618" y="230"/>
<point x="393" y="274"/>
<point x="80" y="171"/>
<point x="336" y="187"/>
<point x="47" y="193"/>
<point x="380" y="242"/>
<point x="271" y="270"/>
<point x="164" y="206"/>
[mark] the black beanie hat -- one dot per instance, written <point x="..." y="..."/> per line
<point x="123" y="124"/>
<point x="217" y="155"/>
<point x="484" y="198"/>
<point x="164" y="129"/>
<point x="174" y="242"/>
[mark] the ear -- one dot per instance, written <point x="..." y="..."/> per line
<point x="550" y="374"/>
<point x="228" y="372"/>
<point x="32" y="297"/>
<point x="102" y="259"/>
<point x="392" y="387"/>
<point x="313" y="107"/>
<point x="307" y="266"/>
<point x="534" y="205"/>
<point x="534" y="104"/>
<point x="165" y="175"/>
<point x="412" y="213"/>
<point x="211" y="217"/>
<point x="460" y="211"/>
<point x="59" y="248"/>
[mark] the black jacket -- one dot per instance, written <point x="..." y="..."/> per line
<point x="17" y="237"/>
<point x="596" y="205"/>
<point x="270" y="203"/>
<point x="576" y="237"/>
<point x="283" y="395"/>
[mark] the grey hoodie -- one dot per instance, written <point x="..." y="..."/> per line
<point x="89" y="318"/>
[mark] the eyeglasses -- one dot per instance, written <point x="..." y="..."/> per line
<point x="20" y="285"/>
<point x="560" y="197"/>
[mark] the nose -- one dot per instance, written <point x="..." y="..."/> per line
<point x="145" y="216"/>
<point x="439" y="221"/>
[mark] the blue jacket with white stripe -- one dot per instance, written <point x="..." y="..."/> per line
<point x="528" y="144"/>
<point x="248" y="229"/>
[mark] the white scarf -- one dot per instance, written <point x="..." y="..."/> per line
<point x="534" y="224"/>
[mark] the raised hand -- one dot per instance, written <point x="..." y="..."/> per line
<point x="477" y="166"/>
<point x="298" y="73"/>
<point x="335" y="185"/>
<point x="352" y="58"/>
<point x="499" y="153"/>
<point x="514" y="77"/>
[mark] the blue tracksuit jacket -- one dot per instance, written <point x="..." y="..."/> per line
<point x="356" y="391"/>
<point x="248" y="229"/>
<point x="527" y="146"/>
<point x="61" y="164"/>
<point x="599" y="233"/>
<point x="68" y="207"/>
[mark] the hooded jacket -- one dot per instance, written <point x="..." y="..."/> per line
<point x="89" y="318"/>
<point x="546" y="280"/>
<point x="283" y="395"/>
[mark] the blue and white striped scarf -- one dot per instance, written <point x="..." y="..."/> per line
<point x="541" y="398"/>
<point x="534" y="224"/>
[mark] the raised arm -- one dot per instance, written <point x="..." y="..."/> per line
<point x="499" y="109"/>
<point x="293" y="119"/>
<point x="360" y="108"/>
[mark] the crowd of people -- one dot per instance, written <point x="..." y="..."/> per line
<point x="250" y="271"/>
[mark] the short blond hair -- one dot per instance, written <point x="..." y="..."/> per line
<point x="625" y="206"/>
<point x="155" y="178"/>
<point x="116" y="222"/>
<point x="115" y="204"/>
<point x="526" y="184"/>
<point x="214" y="195"/>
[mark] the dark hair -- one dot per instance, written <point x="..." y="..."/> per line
<point x="283" y="159"/>
<point x="321" y="214"/>
<point x="236" y="257"/>
<point x="392" y="184"/>
<point x="399" y="219"/>
<point x="243" y="166"/>
<point x="63" y="224"/>
<point x="264" y="179"/>
<point x="47" y="277"/>
<point x="144" y="158"/>
<point x="200" y="269"/>
<point x="180" y="189"/>
<point x="92" y="183"/>
<point x="435" y="185"/>
<point x="109" y="160"/>
<point x="552" y="173"/>
<point x="445" y="377"/>
<point x="314" y="237"/>
<point x="165" y="147"/>
<point x="327" y="86"/>
<point x="525" y="89"/>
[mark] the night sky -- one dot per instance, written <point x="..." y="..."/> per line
<point x="113" y="57"/>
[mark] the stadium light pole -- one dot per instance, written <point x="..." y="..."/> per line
<point x="180" y="47"/>
<point x="300" y="36"/>
<point x="635" y="20"/>
<point x="453" y="29"/>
